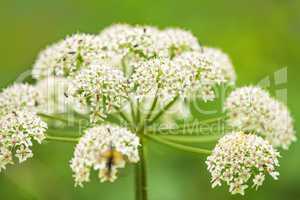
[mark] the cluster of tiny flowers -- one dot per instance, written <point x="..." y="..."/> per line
<point x="17" y="130"/>
<point x="166" y="62"/>
<point x="157" y="77"/>
<point x="241" y="159"/>
<point x="99" y="87"/>
<point x="105" y="148"/>
<point x="190" y="71"/>
<point x="19" y="96"/>
<point x="253" y="109"/>
<point x="53" y="89"/>
<point x="222" y="62"/>
<point x="67" y="56"/>
<point x="200" y="73"/>
<point x="124" y="39"/>
<point x="147" y="41"/>
<point x="174" y="41"/>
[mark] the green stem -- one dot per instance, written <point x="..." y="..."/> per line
<point x="178" y="146"/>
<point x="53" y="117"/>
<point x="141" y="175"/>
<point x="138" y="112"/>
<point x="194" y="132"/>
<point x="62" y="139"/>
<point x="191" y="132"/>
<point x="148" y="116"/>
<point x="123" y="115"/>
<point x="162" y="111"/>
<point x="196" y="124"/>
<point x="133" y="113"/>
<point x="57" y="118"/>
<point x="191" y="139"/>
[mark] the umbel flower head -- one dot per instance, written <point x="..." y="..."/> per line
<point x="17" y="130"/>
<point x="222" y="62"/>
<point x="166" y="62"/>
<point x="105" y="148"/>
<point x="189" y="72"/>
<point x="123" y="40"/>
<point x="100" y="88"/>
<point x="174" y="41"/>
<point x="253" y="109"/>
<point x="19" y="96"/>
<point x="147" y="41"/>
<point x="67" y="56"/>
<point x="53" y="90"/>
<point x="201" y="73"/>
<point x="241" y="160"/>
<point x="157" y="77"/>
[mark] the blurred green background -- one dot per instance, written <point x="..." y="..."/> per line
<point x="260" y="36"/>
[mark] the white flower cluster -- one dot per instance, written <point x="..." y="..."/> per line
<point x="67" y="56"/>
<point x="190" y="71"/>
<point x="99" y="87"/>
<point x="201" y="73"/>
<point x="17" y="130"/>
<point x="166" y="62"/>
<point x="222" y="62"/>
<point x="157" y="77"/>
<point x="239" y="159"/>
<point x="105" y="148"/>
<point x="20" y="96"/>
<point x="147" y="41"/>
<point x="123" y="39"/>
<point x="174" y="41"/>
<point x="18" y="122"/>
<point x="252" y="109"/>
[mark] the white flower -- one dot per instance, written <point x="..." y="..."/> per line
<point x="186" y="73"/>
<point x="125" y="39"/>
<point x="201" y="73"/>
<point x="147" y="41"/>
<point x="166" y="62"/>
<point x="258" y="180"/>
<point x="252" y="109"/>
<point x="54" y="89"/>
<point x="157" y="76"/>
<point x="105" y="148"/>
<point x="174" y="41"/>
<point x="238" y="158"/>
<point x="17" y="130"/>
<point x="68" y="56"/>
<point x="99" y="87"/>
<point x="46" y="62"/>
<point x="5" y="157"/>
<point x="222" y="62"/>
<point x="19" y="96"/>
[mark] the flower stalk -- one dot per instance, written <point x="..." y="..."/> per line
<point x="179" y="146"/>
<point x="162" y="111"/>
<point x="191" y="139"/>
<point x="141" y="175"/>
<point x="62" y="139"/>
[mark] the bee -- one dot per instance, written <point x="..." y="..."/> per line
<point x="113" y="159"/>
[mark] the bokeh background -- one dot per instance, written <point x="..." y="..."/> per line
<point x="261" y="37"/>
